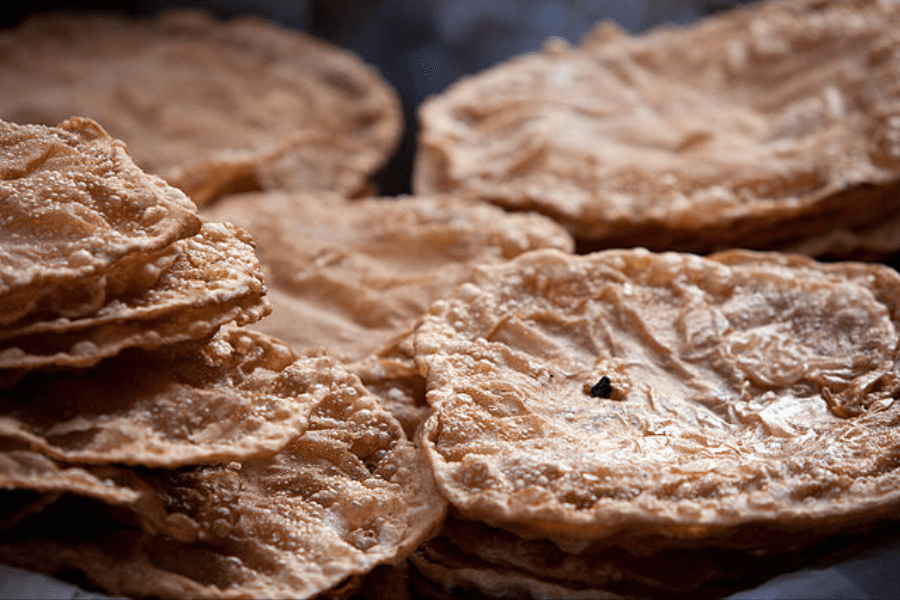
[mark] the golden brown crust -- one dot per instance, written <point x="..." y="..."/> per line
<point x="78" y="220"/>
<point x="214" y="107"/>
<point x="350" y="275"/>
<point x="752" y="395"/>
<point x="754" y="128"/>
<point x="233" y="398"/>
<point x="348" y="494"/>
<point x="201" y="283"/>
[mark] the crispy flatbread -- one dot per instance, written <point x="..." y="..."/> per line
<point x="213" y="107"/>
<point x="667" y="400"/>
<point x="23" y="470"/>
<point x="79" y="221"/>
<point x="757" y="127"/>
<point x="208" y="280"/>
<point x="348" y="494"/>
<point x="233" y="398"/>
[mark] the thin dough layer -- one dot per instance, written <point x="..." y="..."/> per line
<point x="79" y="221"/>
<point x="347" y="494"/>
<point x="231" y="399"/>
<point x="208" y="280"/>
<point x="350" y="275"/>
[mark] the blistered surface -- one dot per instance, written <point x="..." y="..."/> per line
<point x="349" y="276"/>
<point x="205" y="281"/>
<point x="78" y="220"/>
<point x="230" y="399"/>
<point x="214" y="107"/>
<point x="348" y="494"/>
<point x="750" y="129"/>
<point x="391" y="374"/>
<point x="752" y="395"/>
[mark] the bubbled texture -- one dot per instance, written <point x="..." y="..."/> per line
<point x="348" y="494"/>
<point x="207" y="280"/>
<point x="78" y="220"/>
<point x="230" y="399"/>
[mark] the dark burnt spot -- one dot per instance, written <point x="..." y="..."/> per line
<point x="602" y="389"/>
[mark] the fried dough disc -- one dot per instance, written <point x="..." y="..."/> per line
<point x="345" y="496"/>
<point x="233" y="398"/>
<point x="78" y="220"/>
<point x="214" y="107"/>
<point x="752" y="128"/>
<point x="214" y="278"/>
<point x="350" y="275"/>
<point x="749" y="396"/>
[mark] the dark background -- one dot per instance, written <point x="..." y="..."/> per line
<point x="420" y="46"/>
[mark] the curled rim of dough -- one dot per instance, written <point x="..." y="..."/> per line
<point x="206" y="281"/>
<point x="78" y="219"/>
<point x="752" y="396"/>
<point x="23" y="470"/>
<point x="231" y="398"/>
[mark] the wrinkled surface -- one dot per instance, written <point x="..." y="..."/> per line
<point x="348" y="494"/>
<point x="214" y="107"/>
<point x="178" y="309"/>
<point x="233" y="398"/>
<point x="752" y="128"/>
<point x="212" y="278"/>
<point x="753" y="396"/>
<point x="350" y="275"/>
<point x="78" y="220"/>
